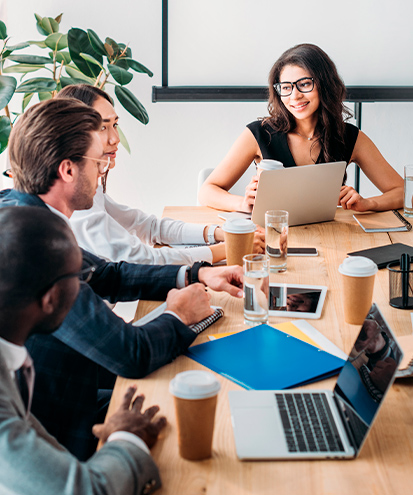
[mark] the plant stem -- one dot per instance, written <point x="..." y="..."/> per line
<point x="98" y="78"/>
<point x="102" y="84"/>
<point x="6" y="109"/>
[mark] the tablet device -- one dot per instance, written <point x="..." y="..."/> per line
<point x="296" y="301"/>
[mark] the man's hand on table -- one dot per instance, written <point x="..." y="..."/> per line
<point x="191" y="304"/>
<point x="132" y="420"/>
<point x="223" y="278"/>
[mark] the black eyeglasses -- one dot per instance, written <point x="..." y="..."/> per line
<point x="84" y="275"/>
<point x="304" y="85"/>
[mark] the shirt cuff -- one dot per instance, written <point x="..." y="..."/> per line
<point x="180" y="277"/>
<point x="131" y="438"/>
<point x="193" y="233"/>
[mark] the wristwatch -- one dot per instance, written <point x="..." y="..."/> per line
<point x="211" y="234"/>
<point x="193" y="270"/>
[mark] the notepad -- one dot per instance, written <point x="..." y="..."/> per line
<point x="384" y="221"/>
<point x="196" y="327"/>
<point x="264" y="358"/>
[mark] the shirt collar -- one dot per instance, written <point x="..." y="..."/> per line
<point x="58" y="213"/>
<point x="14" y="355"/>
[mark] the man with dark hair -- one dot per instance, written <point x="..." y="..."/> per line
<point x="77" y="366"/>
<point x="39" y="281"/>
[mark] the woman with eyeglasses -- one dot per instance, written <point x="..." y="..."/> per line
<point x="306" y="125"/>
<point x="119" y="233"/>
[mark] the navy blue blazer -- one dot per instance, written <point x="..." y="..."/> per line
<point x="76" y="367"/>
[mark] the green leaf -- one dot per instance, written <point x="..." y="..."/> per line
<point x="123" y="140"/>
<point x="22" y="68"/>
<point x="7" y="87"/>
<point x="38" y="85"/>
<point x="62" y="57"/>
<point x="137" y="66"/>
<point x="50" y="25"/>
<point x="30" y="59"/>
<point x="10" y="49"/>
<point x="91" y="59"/>
<point x="120" y="75"/>
<point x="5" y="129"/>
<point x="45" y="96"/>
<point x="56" y="41"/>
<point x="3" y="30"/>
<point x="129" y="101"/>
<point x="128" y="52"/>
<point x="26" y="100"/>
<point x="78" y="41"/>
<point x="66" y="81"/>
<point x="96" y="43"/>
<point x="38" y="18"/>
<point x="40" y="44"/>
<point x="76" y="74"/>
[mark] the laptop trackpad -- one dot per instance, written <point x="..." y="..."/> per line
<point x="258" y="432"/>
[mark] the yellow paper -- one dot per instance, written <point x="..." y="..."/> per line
<point x="286" y="327"/>
<point x="291" y="329"/>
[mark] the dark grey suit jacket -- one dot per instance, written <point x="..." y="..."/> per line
<point x="33" y="462"/>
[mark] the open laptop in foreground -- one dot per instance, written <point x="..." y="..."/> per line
<point x="305" y="424"/>
<point x="309" y="193"/>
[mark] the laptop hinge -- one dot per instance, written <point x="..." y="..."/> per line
<point x="341" y="406"/>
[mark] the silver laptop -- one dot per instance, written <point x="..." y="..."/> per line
<point x="305" y="424"/>
<point x="309" y="193"/>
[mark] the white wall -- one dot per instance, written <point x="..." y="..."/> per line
<point x="183" y="138"/>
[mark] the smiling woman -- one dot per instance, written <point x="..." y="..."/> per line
<point x="305" y="126"/>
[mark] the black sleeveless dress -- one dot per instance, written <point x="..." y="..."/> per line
<point x="274" y="145"/>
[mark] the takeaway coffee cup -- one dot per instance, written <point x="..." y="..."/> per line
<point x="195" y="393"/>
<point x="239" y="239"/>
<point x="357" y="273"/>
<point x="268" y="165"/>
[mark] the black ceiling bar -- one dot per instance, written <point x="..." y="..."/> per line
<point x="364" y="94"/>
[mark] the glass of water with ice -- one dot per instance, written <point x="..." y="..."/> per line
<point x="408" y="190"/>
<point x="276" y="239"/>
<point x="256" y="289"/>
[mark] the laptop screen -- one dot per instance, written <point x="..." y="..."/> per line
<point x="367" y="374"/>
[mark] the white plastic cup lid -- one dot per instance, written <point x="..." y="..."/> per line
<point x="270" y="165"/>
<point x="194" y="384"/>
<point x="239" y="226"/>
<point x="358" y="266"/>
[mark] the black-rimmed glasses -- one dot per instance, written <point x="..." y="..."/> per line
<point x="304" y="85"/>
<point x="84" y="275"/>
<point x="103" y="163"/>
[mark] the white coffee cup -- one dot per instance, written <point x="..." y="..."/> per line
<point x="268" y="165"/>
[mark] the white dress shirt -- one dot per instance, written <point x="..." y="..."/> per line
<point x="119" y="233"/>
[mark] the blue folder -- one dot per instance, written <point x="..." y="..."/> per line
<point x="264" y="358"/>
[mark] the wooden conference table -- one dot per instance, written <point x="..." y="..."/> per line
<point x="385" y="465"/>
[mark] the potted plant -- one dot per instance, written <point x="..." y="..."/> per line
<point x="73" y="58"/>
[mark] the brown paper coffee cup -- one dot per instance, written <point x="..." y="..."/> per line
<point x="358" y="296"/>
<point x="195" y="394"/>
<point x="357" y="275"/>
<point x="237" y="246"/>
<point x="195" y="419"/>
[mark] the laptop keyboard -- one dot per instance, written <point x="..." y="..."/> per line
<point x="308" y="423"/>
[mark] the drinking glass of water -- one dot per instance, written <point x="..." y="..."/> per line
<point x="256" y="289"/>
<point x="408" y="190"/>
<point x="276" y="239"/>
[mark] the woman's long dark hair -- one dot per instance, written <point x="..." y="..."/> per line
<point x="88" y="95"/>
<point x="330" y="123"/>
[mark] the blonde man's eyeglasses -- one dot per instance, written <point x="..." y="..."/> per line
<point x="103" y="163"/>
